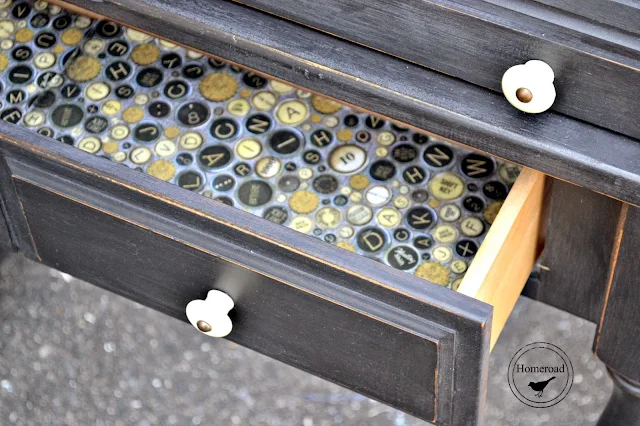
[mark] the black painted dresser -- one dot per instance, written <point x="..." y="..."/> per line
<point x="569" y="228"/>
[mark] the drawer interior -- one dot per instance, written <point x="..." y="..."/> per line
<point x="406" y="198"/>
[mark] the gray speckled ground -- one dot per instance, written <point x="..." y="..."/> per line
<point x="73" y="354"/>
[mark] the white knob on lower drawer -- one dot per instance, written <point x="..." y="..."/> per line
<point x="210" y="316"/>
<point x="529" y="87"/>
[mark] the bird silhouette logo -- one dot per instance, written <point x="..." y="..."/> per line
<point x="538" y="387"/>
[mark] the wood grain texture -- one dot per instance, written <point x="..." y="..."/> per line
<point x="478" y="41"/>
<point x="622" y="14"/>
<point x="506" y="257"/>
<point x="304" y="264"/>
<point x="617" y="341"/>
<point x="580" y="243"/>
<point x="552" y="143"/>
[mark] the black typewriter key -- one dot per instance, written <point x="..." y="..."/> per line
<point x="61" y="22"/>
<point x="285" y="142"/>
<point x="184" y="159"/>
<point x="242" y="169"/>
<point x="438" y="155"/>
<point x="21" y="53"/>
<point x="420" y="196"/>
<point x="46" y="131"/>
<point x="225" y="200"/>
<point x="118" y="71"/>
<point x="70" y="91"/>
<point x="472" y="187"/>
<point x="466" y="248"/>
<point x="312" y="157"/>
<point x="340" y="200"/>
<point x="420" y="218"/>
<point x="254" y="193"/>
<point x="351" y="120"/>
<point x="40" y="20"/>
<point x="92" y="109"/>
<point x="190" y="180"/>
<point x="288" y="183"/>
<point x="124" y="92"/>
<point x="107" y="29"/>
<point x="45" y="40"/>
<point x="401" y="234"/>
<point x="223" y="183"/>
<point x="72" y="54"/>
<point x="192" y="71"/>
<point x="325" y="184"/>
<point x="398" y="128"/>
<point x="176" y="89"/>
<point x="330" y="238"/>
<point x="96" y="124"/>
<point x="193" y="114"/>
<point x="20" y="74"/>
<point x="66" y="139"/>
<point x="420" y="139"/>
<point x="171" y="60"/>
<point x="149" y="77"/>
<point x="159" y="109"/>
<point x="21" y="10"/>
<point x="146" y="132"/>
<point x="403" y="258"/>
<point x="67" y="115"/>
<point x="290" y="167"/>
<point x="276" y="214"/>
<point x="321" y="138"/>
<point x="216" y="64"/>
<point x="214" y="157"/>
<point x="253" y="80"/>
<point x="477" y="166"/>
<point x="16" y="96"/>
<point x="44" y="99"/>
<point x="50" y="80"/>
<point x="223" y="128"/>
<point x="12" y="115"/>
<point x="422" y="242"/>
<point x="258" y="124"/>
<point x="371" y="240"/>
<point x="118" y="48"/>
<point x="404" y="153"/>
<point x="414" y="175"/>
<point x="373" y="122"/>
<point x="495" y="190"/>
<point x="473" y="204"/>
<point x="382" y="170"/>
<point x="363" y="136"/>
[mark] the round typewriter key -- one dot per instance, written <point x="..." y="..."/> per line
<point x="420" y="218"/>
<point x="96" y="124"/>
<point x="140" y="155"/>
<point x="44" y="60"/>
<point x="218" y="87"/>
<point x="292" y="112"/>
<point x="165" y="148"/>
<point x="280" y="87"/>
<point x="253" y="80"/>
<point x="323" y="105"/>
<point x="242" y="169"/>
<point x="223" y="183"/>
<point x="402" y="257"/>
<point x="371" y="240"/>
<point x="171" y="60"/>
<point x="110" y="147"/>
<point x="359" y="214"/>
<point x="149" y="77"/>
<point x="385" y="138"/>
<point x="401" y="234"/>
<point x="254" y="193"/>
<point x="191" y="140"/>
<point x="284" y="142"/>
<point x="124" y="92"/>
<point x="313" y="157"/>
<point x="420" y="196"/>
<point x="44" y="99"/>
<point x="419" y="138"/>
<point x="288" y="183"/>
<point x="92" y="47"/>
<point x="119" y="132"/>
<point x="190" y="180"/>
<point x="449" y="213"/>
<point x="458" y="267"/>
<point x="446" y="186"/>
<point x="193" y="114"/>
<point x="118" y="71"/>
<point x="434" y="272"/>
<point x="248" y="149"/>
<point x="445" y="233"/>
<point x="414" y="175"/>
<point x="363" y="136"/>
<point x="472" y="187"/>
<point x="184" y="159"/>
<point x="471" y="227"/>
<point x="378" y="195"/>
<point x="50" y="80"/>
<point x="223" y="128"/>
<point x="90" y="144"/>
<point x="491" y="211"/>
<point x="258" y="124"/>
<point x="107" y="29"/>
<point x="238" y="107"/>
<point x="328" y="218"/>
<point x="225" y="200"/>
<point x="303" y="202"/>
<point x="325" y="184"/>
<point x="345" y="231"/>
<point x="276" y="214"/>
<point x="268" y="167"/>
<point x="20" y="10"/>
<point x="495" y="190"/>
<point x="388" y="217"/>
<point x="83" y="68"/>
<point x="66" y="139"/>
<point x="422" y="242"/>
<point x="159" y="109"/>
<point x="20" y="74"/>
<point x="214" y="157"/>
<point x="438" y="155"/>
<point x="359" y="182"/>
<point x="382" y="170"/>
<point x="301" y="224"/>
<point x="321" y="138"/>
<point x="119" y="48"/>
<point x="404" y="153"/>
<point x="509" y="173"/>
<point x="71" y="91"/>
<point x="176" y="89"/>
<point x="466" y="248"/>
<point x="45" y="40"/>
<point x="20" y="53"/>
<point x="67" y="115"/>
<point x="374" y="122"/>
<point x="477" y="166"/>
<point x="161" y="169"/>
<point x="344" y="135"/>
<point x="340" y="200"/>
<point x="46" y="131"/>
<point x="263" y="101"/>
<point x="146" y="132"/>
<point x="473" y="204"/>
<point x="34" y="118"/>
<point x="442" y="253"/>
<point x="351" y="120"/>
<point x="347" y="158"/>
<point x="132" y="114"/>
<point x="193" y="71"/>
<point x="40" y="20"/>
<point x="82" y="21"/>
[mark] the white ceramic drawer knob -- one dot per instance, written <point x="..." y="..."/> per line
<point x="529" y="87"/>
<point x="210" y="316"/>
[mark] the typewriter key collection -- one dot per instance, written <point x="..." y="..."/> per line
<point x="404" y="198"/>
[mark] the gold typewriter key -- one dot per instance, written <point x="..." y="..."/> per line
<point x="218" y="87"/>
<point x="434" y="272"/>
<point x="304" y="202"/>
<point x="83" y="68"/>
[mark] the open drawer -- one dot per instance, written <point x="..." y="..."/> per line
<point x="387" y="334"/>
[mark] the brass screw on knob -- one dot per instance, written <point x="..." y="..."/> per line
<point x="204" y="326"/>
<point x="524" y="95"/>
